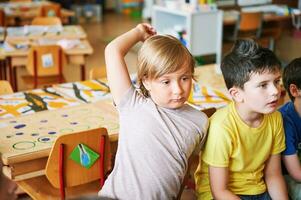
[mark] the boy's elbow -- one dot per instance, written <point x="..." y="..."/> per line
<point x="112" y="50"/>
<point x="109" y="49"/>
<point x="296" y="175"/>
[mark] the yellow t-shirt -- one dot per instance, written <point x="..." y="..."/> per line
<point x="244" y="150"/>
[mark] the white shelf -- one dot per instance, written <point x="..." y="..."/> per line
<point x="204" y="29"/>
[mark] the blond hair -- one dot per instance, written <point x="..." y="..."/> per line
<point x="160" y="55"/>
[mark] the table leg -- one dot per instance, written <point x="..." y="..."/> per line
<point x="83" y="72"/>
<point x="4" y="68"/>
<point x="1" y="70"/>
<point x="11" y="76"/>
<point x="15" y="78"/>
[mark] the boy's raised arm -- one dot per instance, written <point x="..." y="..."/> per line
<point x="274" y="179"/>
<point x="117" y="72"/>
<point x="218" y="183"/>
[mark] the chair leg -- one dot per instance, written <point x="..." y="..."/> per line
<point x="61" y="171"/>
<point x="102" y="160"/>
<point x="83" y="72"/>
<point x="272" y="44"/>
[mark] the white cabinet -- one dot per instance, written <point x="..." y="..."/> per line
<point x="204" y="29"/>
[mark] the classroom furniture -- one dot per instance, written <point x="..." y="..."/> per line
<point x="204" y="29"/>
<point x="76" y="48"/>
<point x="249" y="24"/>
<point x="272" y="22"/>
<point x="24" y="12"/>
<point x="67" y="108"/>
<point x="296" y="18"/>
<point x="46" y="21"/>
<point x="76" y="55"/>
<point x="32" y="33"/>
<point x="3" y="74"/>
<point x="2" y="18"/>
<point x="25" y="150"/>
<point x="44" y="65"/>
<point x="5" y="87"/>
<point x="97" y="72"/>
<point x="51" y="10"/>
<point x="67" y="178"/>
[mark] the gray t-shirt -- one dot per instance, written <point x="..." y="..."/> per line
<point x="153" y="148"/>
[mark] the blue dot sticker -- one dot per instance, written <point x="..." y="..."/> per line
<point x="19" y="126"/>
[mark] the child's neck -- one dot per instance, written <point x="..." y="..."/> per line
<point x="297" y="105"/>
<point x="252" y="119"/>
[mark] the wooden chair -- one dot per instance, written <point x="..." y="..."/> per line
<point x="97" y="73"/>
<point x="45" y="66"/>
<point x="271" y="33"/>
<point x="46" y="21"/>
<point x="5" y="87"/>
<point x="193" y="163"/>
<point x="248" y="25"/>
<point x="51" y="10"/>
<point x="65" y="177"/>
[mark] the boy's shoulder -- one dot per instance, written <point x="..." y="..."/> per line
<point x="193" y="112"/>
<point x="228" y="117"/>
<point x="287" y="108"/>
<point x="223" y="113"/>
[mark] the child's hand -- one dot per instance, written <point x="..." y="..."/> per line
<point x="145" y="30"/>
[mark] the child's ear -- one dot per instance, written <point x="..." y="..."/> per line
<point x="236" y="94"/>
<point x="146" y="83"/>
<point x="294" y="90"/>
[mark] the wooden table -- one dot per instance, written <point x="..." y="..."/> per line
<point x="30" y="10"/>
<point x="30" y="121"/>
<point x="31" y="32"/>
<point x="209" y="75"/>
<point x="210" y="89"/>
<point x="18" y="57"/>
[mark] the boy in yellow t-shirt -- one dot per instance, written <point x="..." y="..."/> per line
<point x="241" y="158"/>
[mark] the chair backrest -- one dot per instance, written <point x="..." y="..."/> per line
<point x="5" y="87"/>
<point x="97" y="73"/>
<point x="45" y="61"/>
<point x="63" y="172"/>
<point x="209" y="111"/>
<point x="51" y="10"/>
<point x="46" y="21"/>
<point x="248" y="25"/>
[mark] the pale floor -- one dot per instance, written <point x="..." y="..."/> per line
<point x="99" y="34"/>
